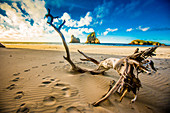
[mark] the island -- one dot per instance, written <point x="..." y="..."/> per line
<point x="74" y="39"/>
<point x="91" y="38"/>
<point x="143" y="42"/>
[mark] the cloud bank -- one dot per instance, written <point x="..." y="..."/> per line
<point x="24" y="20"/>
<point x="143" y="29"/>
<point x="109" y="30"/>
<point x="129" y="30"/>
<point x="74" y="23"/>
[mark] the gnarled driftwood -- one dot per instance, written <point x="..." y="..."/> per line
<point x="125" y="66"/>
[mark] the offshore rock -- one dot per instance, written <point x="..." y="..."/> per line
<point x="91" y="38"/>
<point x="74" y="39"/>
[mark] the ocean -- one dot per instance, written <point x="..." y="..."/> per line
<point x="60" y="43"/>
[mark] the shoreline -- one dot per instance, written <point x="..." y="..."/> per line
<point x="162" y="52"/>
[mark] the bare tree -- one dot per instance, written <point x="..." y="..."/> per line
<point x="125" y="66"/>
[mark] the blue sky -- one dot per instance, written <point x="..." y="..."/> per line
<point x="114" y="21"/>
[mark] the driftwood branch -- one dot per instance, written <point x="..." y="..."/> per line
<point x="67" y="57"/>
<point x="112" y="90"/>
<point x="88" y="58"/>
<point x="137" y="61"/>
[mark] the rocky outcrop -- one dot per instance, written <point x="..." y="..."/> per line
<point x="91" y="38"/>
<point x="143" y="42"/>
<point x="74" y="39"/>
<point x="1" y="45"/>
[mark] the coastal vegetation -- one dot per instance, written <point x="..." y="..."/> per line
<point x="143" y="42"/>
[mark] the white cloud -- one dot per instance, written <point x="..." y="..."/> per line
<point x="32" y="26"/>
<point x="143" y="29"/>
<point x="109" y="30"/>
<point x="85" y="21"/>
<point x="129" y="30"/>
<point x="76" y="32"/>
<point x="69" y="22"/>
<point x="17" y="25"/>
<point x="75" y="23"/>
<point x="105" y="33"/>
<point x="101" y="22"/>
<point x="36" y="9"/>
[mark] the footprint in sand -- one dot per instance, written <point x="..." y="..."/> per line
<point x="73" y="109"/>
<point x="44" y="65"/>
<point x="52" y="63"/>
<point x="46" y="81"/>
<point x="26" y="70"/>
<point x="12" y="86"/>
<point x="60" y="109"/>
<point x="49" y="100"/>
<point x="68" y="91"/>
<point x="61" y="61"/>
<point x="23" y="109"/>
<point x="19" y="95"/>
<point x="76" y="107"/>
<point x="16" y="79"/>
<point x="16" y="74"/>
<point x="58" y="92"/>
<point x="35" y="67"/>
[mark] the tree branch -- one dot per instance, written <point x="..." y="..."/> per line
<point x="88" y="58"/>
<point x="112" y="90"/>
<point x="74" y="67"/>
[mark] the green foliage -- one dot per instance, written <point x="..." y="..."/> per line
<point x="143" y="42"/>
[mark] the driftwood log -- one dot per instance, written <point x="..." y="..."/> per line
<point x="125" y="66"/>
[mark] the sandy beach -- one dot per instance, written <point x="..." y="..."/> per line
<point x="36" y="78"/>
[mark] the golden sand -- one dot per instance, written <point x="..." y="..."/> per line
<point x="38" y="79"/>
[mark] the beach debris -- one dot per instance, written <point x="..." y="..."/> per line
<point x="127" y="67"/>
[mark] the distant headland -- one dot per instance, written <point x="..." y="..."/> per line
<point x="143" y="42"/>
